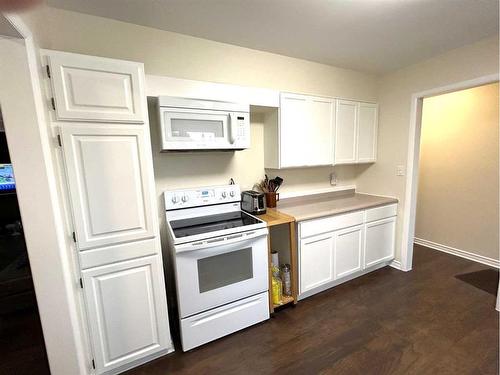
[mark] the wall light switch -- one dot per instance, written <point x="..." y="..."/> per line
<point x="333" y="179"/>
<point x="400" y="170"/>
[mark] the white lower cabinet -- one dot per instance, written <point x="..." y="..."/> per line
<point x="351" y="244"/>
<point x="348" y="248"/>
<point x="379" y="238"/>
<point x="316" y="261"/>
<point x="127" y="311"/>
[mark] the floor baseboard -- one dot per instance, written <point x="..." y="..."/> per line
<point x="460" y="253"/>
<point x="396" y="264"/>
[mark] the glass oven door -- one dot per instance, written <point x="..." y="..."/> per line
<point x="223" y="271"/>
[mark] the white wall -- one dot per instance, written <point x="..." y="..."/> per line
<point x="29" y="144"/>
<point x="394" y="96"/>
<point x="457" y="203"/>
<point x="170" y="54"/>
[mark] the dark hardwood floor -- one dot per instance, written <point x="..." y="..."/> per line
<point x="428" y="321"/>
<point x="21" y="344"/>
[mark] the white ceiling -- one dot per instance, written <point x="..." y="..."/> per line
<point x="369" y="35"/>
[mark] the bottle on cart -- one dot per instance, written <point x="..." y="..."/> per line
<point x="277" y="286"/>
<point x="286" y="279"/>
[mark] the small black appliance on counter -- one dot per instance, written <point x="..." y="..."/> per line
<point x="253" y="202"/>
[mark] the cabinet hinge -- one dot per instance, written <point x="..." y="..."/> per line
<point x="93" y="364"/>
<point x="81" y="283"/>
<point x="53" y="102"/>
<point x="48" y="70"/>
<point x="59" y="142"/>
<point x="74" y="237"/>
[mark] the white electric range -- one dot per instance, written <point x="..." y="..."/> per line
<point x="220" y="260"/>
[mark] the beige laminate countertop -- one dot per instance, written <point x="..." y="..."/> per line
<point x="328" y="204"/>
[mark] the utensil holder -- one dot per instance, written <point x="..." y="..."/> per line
<point x="271" y="199"/>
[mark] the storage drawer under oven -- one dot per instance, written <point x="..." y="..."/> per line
<point x="221" y="321"/>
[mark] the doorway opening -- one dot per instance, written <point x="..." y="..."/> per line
<point x="21" y="338"/>
<point x="458" y="189"/>
<point x="410" y="200"/>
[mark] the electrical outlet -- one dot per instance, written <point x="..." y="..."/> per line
<point x="333" y="179"/>
<point x="400" y="170"/>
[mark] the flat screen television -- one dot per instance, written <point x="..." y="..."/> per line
<point x="7" y="182"/>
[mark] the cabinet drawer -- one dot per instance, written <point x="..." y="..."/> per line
<point x="381" y="212"/>
<point x="221" y="321"/>
<point x="330" y="223"/>
<point x="116" y="253"/>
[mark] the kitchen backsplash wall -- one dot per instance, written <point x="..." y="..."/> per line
<point x="192" y="169"/>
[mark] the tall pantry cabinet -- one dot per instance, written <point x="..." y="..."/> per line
<point x="99" y="112"/>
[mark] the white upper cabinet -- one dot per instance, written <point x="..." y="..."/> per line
<point x="367" y="132"/>
<point x="127" y="311"/>
<point x="315" y="131"/>
<point x="319" y="132"/>
<point x="293" y="124"/>
<point x="345" y="131"/>
<point x="108" y="171"/>
<point x="302" y="135"/>
<point x="88" y="88"/>
<point x="356" y="126"/>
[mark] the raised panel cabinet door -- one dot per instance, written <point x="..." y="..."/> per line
<point x="345" y="132"/>
<point x="379" y="241"/>
<point x="127" y="311"/>
<point x="108" y="175"/>
<point x="348" y="248"/>
<point x="367" y="132"/>
<point x="294" y="130"/>
<point x="316" y="262"/>
<point x="320" y="132"/>
<point x="89" y="88"/>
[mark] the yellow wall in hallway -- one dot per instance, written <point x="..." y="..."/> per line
<point x="457" y="201"/>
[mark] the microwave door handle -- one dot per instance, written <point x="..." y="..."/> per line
<point x="232" y="128"/>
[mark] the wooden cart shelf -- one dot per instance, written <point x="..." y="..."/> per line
<point x="286" y="300"/>
<point x="273" y="217"/>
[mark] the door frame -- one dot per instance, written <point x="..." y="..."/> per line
<point x="25" y="121"/>
<point x="412" y="165"/>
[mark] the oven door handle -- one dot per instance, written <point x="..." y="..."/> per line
<point x="218" y="241"/>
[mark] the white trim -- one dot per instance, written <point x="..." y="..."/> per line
<point x="303" y="193"/>
<point x="396" y="264"/>
<point x="458" y="252"/>
<point x="410" y="200"/>
<point x="188" y="88"/>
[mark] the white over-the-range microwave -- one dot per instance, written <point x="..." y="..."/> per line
<point x="196" y="124"/>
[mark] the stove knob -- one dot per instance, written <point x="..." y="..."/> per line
<point x="175" y="199"/>
<point x="231" y="193"/>
<point x="185" y="198"/>
<point x="224" y="194"/>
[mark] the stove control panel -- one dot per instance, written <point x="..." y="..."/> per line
<point x="197" y="197"/>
